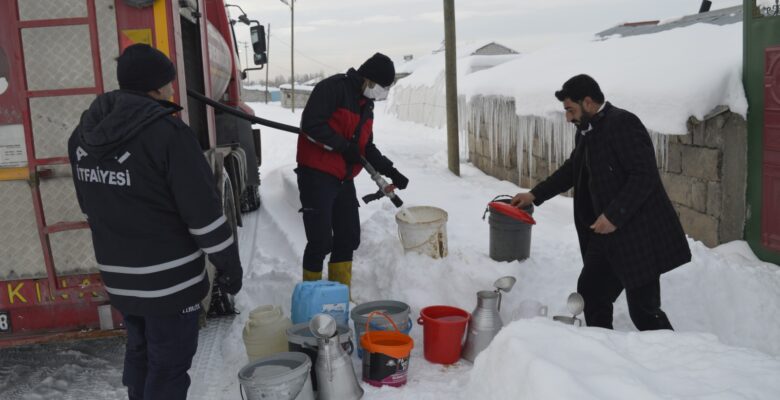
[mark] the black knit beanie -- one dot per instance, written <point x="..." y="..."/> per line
<point x="143" y="68"/>
<point x="379" y="68"/>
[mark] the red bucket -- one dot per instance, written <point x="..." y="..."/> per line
<point x="443" y="329"/>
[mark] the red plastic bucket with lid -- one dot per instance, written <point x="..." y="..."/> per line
<point x="443" y="329"/>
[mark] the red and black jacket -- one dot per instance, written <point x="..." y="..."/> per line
<point x="328" y="125"/>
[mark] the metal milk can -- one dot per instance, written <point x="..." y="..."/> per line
<point x="485" y="320"/>
<point x="336" y="378"/>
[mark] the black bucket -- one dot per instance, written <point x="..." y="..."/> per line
<point x="510" y="237"/>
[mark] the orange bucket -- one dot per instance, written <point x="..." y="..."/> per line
<point x="385" y="354"/>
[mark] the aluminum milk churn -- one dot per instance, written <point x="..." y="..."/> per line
<point x="336" y="378"/>
<point x="484" y="324"/>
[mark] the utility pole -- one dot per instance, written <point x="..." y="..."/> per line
<point x="453" y="151"/>
<point x="267" y="64"/>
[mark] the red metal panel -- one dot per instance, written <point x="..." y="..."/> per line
<point x="66" y="92"/>
<point x="770" y="211"/>
<point x="32" y="309"/>
<point x="10" y="108"/>
<point x="42" y="23"/>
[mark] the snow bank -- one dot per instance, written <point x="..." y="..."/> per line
<point x="664" y="78"/>
<point x="541" y="359"/>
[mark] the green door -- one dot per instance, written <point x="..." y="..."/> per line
<point x="762" y="86"/>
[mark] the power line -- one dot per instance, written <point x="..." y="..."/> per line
<point x="310" y="58"/>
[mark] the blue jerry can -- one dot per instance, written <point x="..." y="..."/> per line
<point x="314" y="297"/>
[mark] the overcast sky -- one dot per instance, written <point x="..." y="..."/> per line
<point x="333" y="35"/>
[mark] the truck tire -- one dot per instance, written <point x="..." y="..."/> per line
<point x="250" y="199"/>
<point x="217" y="303"/>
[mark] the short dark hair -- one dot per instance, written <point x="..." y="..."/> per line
<point x="579" y="87"/>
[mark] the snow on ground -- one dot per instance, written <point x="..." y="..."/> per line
<point x="725" y="304"/>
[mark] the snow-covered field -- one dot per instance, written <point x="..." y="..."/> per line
<point x="725" y="304"/>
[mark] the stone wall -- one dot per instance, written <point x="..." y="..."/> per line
<point x="704" y="172"/>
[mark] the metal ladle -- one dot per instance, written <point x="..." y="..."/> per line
<point x="575" y="303"/>
<point x="323" y="326"/>
<point x="503" y="284"/>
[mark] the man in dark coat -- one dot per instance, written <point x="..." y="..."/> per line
<point x="629" y="233"/>
<point x="336" y="131"/>
<point x="153" y="208"/>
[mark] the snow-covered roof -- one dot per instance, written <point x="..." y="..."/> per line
<point x="261" y="87"/>
<point x="496" y="54"/>
<point x="298" y="87"/>
<point x="725" y="16"/>
<point x="481" y="49"/>
<point x="664" y="78"/>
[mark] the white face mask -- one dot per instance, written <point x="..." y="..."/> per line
<point x="377" y="92"/>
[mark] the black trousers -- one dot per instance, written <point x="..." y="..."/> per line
<point x="600" y="287"/>
<point x="330" y="217"/>
<point x="158" y="354"/>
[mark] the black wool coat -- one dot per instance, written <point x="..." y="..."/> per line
<point x="613" y="171"/>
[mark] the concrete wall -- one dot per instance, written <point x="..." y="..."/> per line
<point x="704" y="172"/>
<point x="252" y="95"/>
<point x="301" y="97"/>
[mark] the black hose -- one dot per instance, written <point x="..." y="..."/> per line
<point x="283" y="127"/>
<point x="238" y="113"/>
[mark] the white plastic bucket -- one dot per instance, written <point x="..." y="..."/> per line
<point x="423" y="229"/>
<point x="282" y="376"/>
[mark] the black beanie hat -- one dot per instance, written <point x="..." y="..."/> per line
<point x="379" y="68"/>
<point x="143" y="68"/>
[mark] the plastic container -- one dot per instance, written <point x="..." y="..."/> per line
<point x="314" y="297"/>
<point x="443" y="329"/>
<point x="423" y="229"/>
<point x="386" y="358"/>
<point x="396" y="310"/>
<point x="282" y="376"/>
<point x="265" y="332"/>
<point x="510" y="230"/>
<point x="300" y="339"/>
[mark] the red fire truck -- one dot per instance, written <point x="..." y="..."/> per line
<point x="55" y="57"/>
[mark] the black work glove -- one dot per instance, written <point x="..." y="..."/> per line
<point x="230" y="280"/>
<point x="351" y="154"/>
<point x="399" y="180"/>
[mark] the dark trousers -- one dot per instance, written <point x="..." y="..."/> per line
<point x="330" y="217"/>
<point x="600" y="287"/>
<point x="158" y="354"/>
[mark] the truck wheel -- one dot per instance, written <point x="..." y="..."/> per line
<point x="250" y="199"/>
<point x="224" y="303"/>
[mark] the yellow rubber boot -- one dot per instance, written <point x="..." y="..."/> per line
<point x="311" y="275"/>
<point x="341" y="272"/>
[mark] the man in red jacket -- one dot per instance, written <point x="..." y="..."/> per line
<point x="336" y="131"/>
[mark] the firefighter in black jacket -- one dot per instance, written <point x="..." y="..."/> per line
<point x="628" y="230"/>
<point x="152" y="205"/>
<point x="336" y="130"/>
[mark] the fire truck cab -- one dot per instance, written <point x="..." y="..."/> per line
<point x="56" y="56"/>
